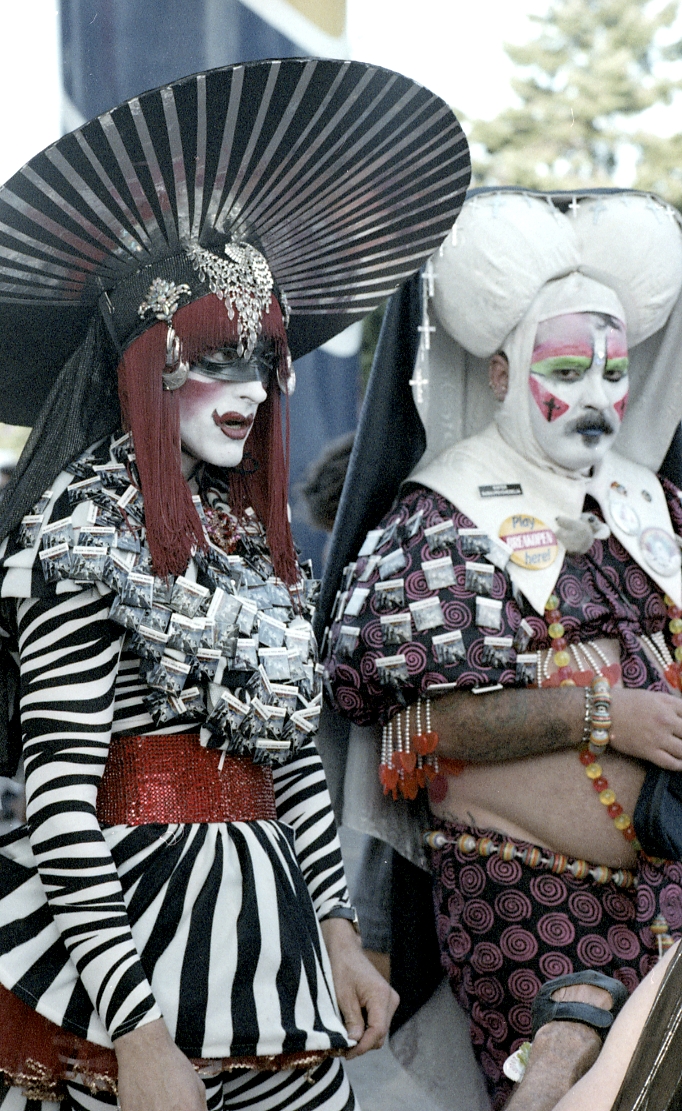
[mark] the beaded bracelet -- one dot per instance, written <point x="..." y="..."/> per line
<point x="599" y="737"/>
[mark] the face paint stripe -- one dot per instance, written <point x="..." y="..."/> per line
<point x="618" y="364"/>
<point x="547" y="367"/>
<point x="550" y="406"/>
<point x="621" y="406"/>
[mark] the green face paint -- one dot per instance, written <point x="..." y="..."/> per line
<point x="548" y="367"/>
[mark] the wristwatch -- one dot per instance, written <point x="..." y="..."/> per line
<point x="349" y="913"/>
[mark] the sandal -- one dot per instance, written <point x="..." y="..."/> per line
<point x="545" y="1009"/>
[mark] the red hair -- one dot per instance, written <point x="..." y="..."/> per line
<point x="152" y="415"/>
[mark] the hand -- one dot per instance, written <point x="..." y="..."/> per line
<point x="359" y="987"/>
<point x="154" y="1075"/>
<point x="648" y="725"/>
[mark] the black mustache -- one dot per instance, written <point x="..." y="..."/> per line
<point x="591" y="424"/>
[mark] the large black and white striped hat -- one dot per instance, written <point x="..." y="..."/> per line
<point x="344" y="175"/>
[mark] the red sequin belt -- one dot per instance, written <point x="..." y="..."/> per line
<point x="171" y="778"/>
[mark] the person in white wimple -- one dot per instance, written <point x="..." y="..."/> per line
<point x="539" y="595"/>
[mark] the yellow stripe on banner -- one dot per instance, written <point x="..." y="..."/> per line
<point x="328" y="15"/>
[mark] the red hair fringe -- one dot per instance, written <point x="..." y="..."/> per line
<point x="151" y="413"/>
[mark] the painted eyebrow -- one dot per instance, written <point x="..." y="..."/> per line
<point x="561" y="362"/>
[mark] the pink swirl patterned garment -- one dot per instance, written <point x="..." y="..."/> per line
<point x="505" y="929"/>
<point x="602" y="594"/>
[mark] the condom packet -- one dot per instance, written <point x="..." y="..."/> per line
<point x="246" y="655"/>
<point x="488" y="613"/>
<point x="355" y="603"/>
<point x="127" y="616"/>
<point x="479" y="578"/>
<point x="169" y="675"/>
<point x="187" y="597"/>
<point x="392" y="564"/>
<point x="57" y="532"/>
<point x="370" y="567"/>
<point x="523" y="636"/>
<point x="439" y="537"/>
<point x="247" y="617"/>
<point x="439" y="572"/>
<point x="448" y="648"/>
<point x="389" y="596"/>
<point x="206" y="662"/>
<point x="392" y="670"/>
<point x="411" y="526"/>
<point x="29" y="529"/>
<point x="396" y="628"/>
<point x="55" y="562"/>
<point x="137" y="589"/>
<point x="148" y="643"/>
<point x="526" y="668"/>
<point x="474" y="541"/>
<point x="347" y="641"/>
<point x="83" y="490"/>
<point x="185" y="633"/>
<point x="87" y="563"/>
<point x="271" y="632"/>
<point x="497" y="651"/>
<point x="117" y="567"/>
<point x="427" y="614"/>
<point x="276" y="664"/>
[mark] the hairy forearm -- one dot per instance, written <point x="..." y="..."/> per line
<point x="508" y="724"/>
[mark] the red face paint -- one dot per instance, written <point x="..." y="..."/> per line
<point x="621" y="406"/>
<point x="195" y="394"/>
<point x="550" y="406"/>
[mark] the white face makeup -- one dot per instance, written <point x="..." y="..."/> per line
<point x="216" y="417"/>
<point x="578" y="386"/>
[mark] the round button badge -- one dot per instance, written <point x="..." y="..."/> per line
<point x="534" y="545"/>
<point x="624" y="516"/>
<point x="661" y="551"/>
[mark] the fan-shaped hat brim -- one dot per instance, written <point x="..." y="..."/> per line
<point x="345" y="175"/>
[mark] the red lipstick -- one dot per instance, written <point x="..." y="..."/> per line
<point x="234" y="425"/>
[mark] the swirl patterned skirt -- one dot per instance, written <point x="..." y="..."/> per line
<point x="505" y="928"/>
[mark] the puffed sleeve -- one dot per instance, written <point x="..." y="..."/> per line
<point x="421" y="606"/>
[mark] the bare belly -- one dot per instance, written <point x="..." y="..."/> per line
<point x="549" y="800"/>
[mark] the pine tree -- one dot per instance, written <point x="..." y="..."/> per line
<point x="593" y="68"/>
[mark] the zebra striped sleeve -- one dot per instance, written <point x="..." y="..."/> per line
<point x="69" y="653"/>
<point x="303" y="803"/>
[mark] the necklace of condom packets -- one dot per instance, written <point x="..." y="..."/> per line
<point x="233" y="650"/>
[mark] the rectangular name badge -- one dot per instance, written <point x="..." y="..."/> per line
<point x="500" y="490"/>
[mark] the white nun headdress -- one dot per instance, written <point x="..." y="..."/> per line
<point x="504" y="249"/>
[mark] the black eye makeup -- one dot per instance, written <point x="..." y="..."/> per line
<point x="226" y="365"/>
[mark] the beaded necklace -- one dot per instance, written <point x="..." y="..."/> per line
<point x="597" y="732"/>
<point x="533" y="857"/>
<point x="670" y="665"/>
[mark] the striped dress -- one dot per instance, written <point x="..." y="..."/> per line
<point x="213" y="926"/>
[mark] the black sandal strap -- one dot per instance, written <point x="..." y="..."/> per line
<point x="545" y="1009"/>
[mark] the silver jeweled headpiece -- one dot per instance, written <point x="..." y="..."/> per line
<point x="243" y="281"/>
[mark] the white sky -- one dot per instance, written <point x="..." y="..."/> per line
<point x="456" y="47"/>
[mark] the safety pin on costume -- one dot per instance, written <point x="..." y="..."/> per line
<point x="166" y="665"/>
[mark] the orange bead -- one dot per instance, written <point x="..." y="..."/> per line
<point x="600" y="784"/>
<point x="585" y="757"/>
<point x="614" y="810"/>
